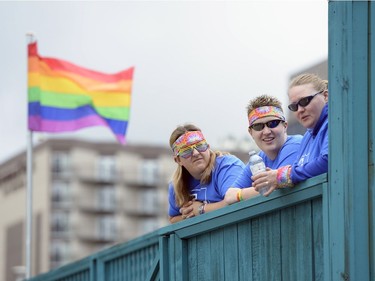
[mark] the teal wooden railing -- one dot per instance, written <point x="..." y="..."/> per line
<point x="274" y="238"/>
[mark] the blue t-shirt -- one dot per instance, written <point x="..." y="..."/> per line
<point x="312" y="158"/>
<point x="226" y="170"/>
<point x="286" y="156"/>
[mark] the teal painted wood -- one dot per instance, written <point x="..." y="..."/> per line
<point x="268" y="238"/>
<point x="371" y="139"/>
<point x="79" y="271"/>
<point x="244" y="241"/>
<point x="129" y="261"/>
<point x="349" y="166"/>
<point x="265" y="247"/>
<point x="177" y="258"/>
<point x="153" y="274"/>
<point x="296" y="222"/>
<point x="318" y="239"/>
<point x="245" y="257"/>
<point x="229" y="258"/>
<point x="217" y="254"/>
<point x="164" y="258"/>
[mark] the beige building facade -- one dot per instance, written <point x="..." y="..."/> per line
<point x="86" y="197"/>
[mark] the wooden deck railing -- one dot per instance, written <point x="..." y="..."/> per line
<point x="274" y="238"/>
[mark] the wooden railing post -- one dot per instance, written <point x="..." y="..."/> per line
<point x="348" y="245"/>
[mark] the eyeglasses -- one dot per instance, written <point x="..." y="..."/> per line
<point x="302" y="102"/>
<point x="187" y="152"/>
<point x="270" y="124"/>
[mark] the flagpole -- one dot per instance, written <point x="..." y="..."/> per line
<point x="29" y="193"/>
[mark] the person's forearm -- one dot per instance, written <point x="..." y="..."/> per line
<point x="214" y="206"/>
<point x="249" y="192"/>
<point x="175" y="219"/>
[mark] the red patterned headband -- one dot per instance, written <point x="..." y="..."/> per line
<point x="265" y="111"/>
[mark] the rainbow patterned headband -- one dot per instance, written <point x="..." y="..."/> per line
<point x="187" y="139"/>
<point x="265" y="111"/>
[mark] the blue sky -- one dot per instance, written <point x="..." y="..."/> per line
<point x="195" y="61"/>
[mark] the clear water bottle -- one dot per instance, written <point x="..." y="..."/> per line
<point x="256" y="166"/>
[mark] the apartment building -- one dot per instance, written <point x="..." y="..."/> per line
<point x="86" y="196"/>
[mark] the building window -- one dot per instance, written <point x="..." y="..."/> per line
<point x="60" y="163"/>
<point x="60" y="193"/>
<point x="106" y="167"/>
<point x="60" y="223"/>
<point x="106" y="228"/>
<point x="106" y="198"/>
<point x="59" y="253"/>
<point x="149" y="201"/>
<point x="149" y="172"/>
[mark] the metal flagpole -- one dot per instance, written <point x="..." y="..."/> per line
<point x="29" y="192"/>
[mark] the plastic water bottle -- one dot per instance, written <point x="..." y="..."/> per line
<point x="256" y="166"/>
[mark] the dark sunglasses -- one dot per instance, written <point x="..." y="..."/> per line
<point x="302" y="102"/>
<point x="270" y="124"/>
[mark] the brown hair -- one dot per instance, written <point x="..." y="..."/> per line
<point x="263" y="100"/>
<point x="181" y="177"/>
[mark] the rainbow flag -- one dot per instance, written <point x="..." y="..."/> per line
<point x="64" y="97"/>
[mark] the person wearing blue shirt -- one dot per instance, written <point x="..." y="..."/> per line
<point x="308" y="95"/>
<point x="202" y="176"/>
<point x="268" y="128"/>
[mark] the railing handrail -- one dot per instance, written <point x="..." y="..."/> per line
<point x="237" y="212"/>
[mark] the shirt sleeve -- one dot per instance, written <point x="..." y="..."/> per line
<point x="244" y="179"/>
<point x="173" y="209"/>
<point x="227" y="172"/>
<point x="316" y="166"/>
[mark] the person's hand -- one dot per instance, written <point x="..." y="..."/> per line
<point x="263" y="179"/>
<point x="187" y="210"/>
<point x="231" y="195"/>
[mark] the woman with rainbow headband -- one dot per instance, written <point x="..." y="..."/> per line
<point x="308" y="94"/>
<point x="202" y="176"/>
<point x="267" y="126"/>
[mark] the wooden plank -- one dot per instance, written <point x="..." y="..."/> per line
<point x="172" y="257"/>
<point x="154" y="270"/>
<point x="164" y="258"/>
<point x="372" y="140"/>
<point x="217" y="254"/>
<point x="296" y="242"/>
<point x="245" y="259"/>
<point x="192" y="258"/>
<point x="348" y="189"/>
<point x="203" y="257"/>
<point x="339" y="15"/>
<point x="70" y="272"/>
<point x="265" y="247"/>
<point x="357" y="226"/>
<point x="318" y="253"/>
<point x="229" y="258"/>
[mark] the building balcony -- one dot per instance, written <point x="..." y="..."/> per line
<point x="96" y="176"/>
<point x="93" y="206"/>
<point x="94" y="236"/>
